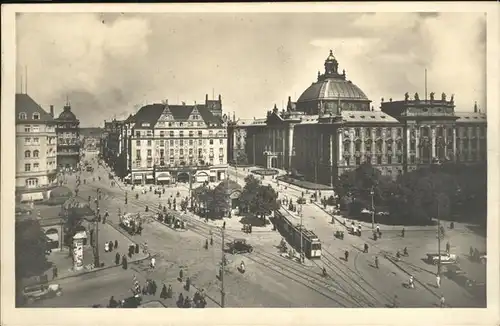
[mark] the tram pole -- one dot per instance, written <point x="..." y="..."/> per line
<point x="222" y="293"/>
<point x="301" y="235"/>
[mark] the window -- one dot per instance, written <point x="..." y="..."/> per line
<point x="200" y="133"/>
<point x="181" y="133"/>
<point x="27" y="129"/>
<point x="149" y="142"/>
<point x="221" y="141"/>
<point x="181" y="142"/>
<point x="389" y="159"/>
<point x="36" y="153"/>
<point x="378" y="132"/>
<point x="379" y="146"/>
<point x="149" y="133"/>
<point x="399" y="146"/>
<point x="138" y="133"/>
<point x="199" y="142"/>
<point x="22" y="116"/>
<point x="191" y="142"/>
<point x="368" y="147"/>
<point x="162" y="133"/>
<point x="171" y="152"/>
<point x="379" y="159"/>
<point x="211" y="141"/>
<point x="357" y="146"/>
<point x="356" y="132"/>
<point x="35" y="140"/>
<point x="389" y="146"/>
<point x="190" y="152"/>
<point x="36" y="116"/>
<point x="412" y="145"/>
<point x="171" y="142"/>
<point x="171" y="134"/>
<point x="27" y="141"/>
<point x="162" y="153"/>
<point x="162" y="144"/>
<point x="221" y="151"/>
<point x="27" y="154"/>
<point x="181" y="152"/>
<point x="210" y="133"/>
<point x="358" y="160"/>
<point x="149" y="153"/>
<point x="412" y="159"/>
<point x="36" y="166"/>
<point x="400" y="158"/>
<point x="368" y="133"/>
<point x="137" y="143"/>
<point x="191" y="133"/>
<point x="27" y="167"/>
<point x="211" y="151"/>
<point x="36" y="128"/>
<point x="200" y="152"/>
<point x="32" y="182"/>
<point x="347" y="160"/>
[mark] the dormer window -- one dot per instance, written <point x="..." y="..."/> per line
<point x="22" y="116"/>
<point x="36" y="116"/>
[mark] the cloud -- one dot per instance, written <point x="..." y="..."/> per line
<point x="109" y="63"/>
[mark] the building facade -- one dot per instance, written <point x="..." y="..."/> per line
<point x="173" y="143"/>
<point x="112" y="145"/>
<point x="36" y="150"/>
<point x="332" y="129"/>
<point x="68" y="139"/>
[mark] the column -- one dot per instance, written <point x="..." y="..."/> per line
<point x="454" y="144"/>
<point x="340" y="145"/>
<point x="407" y="154"/>
<point x="290" y="146"/>
<point x="433" y="141"/>
<point x="417" y="144"/>
<point x="478" y="146"/>
<point x="351" y="147"/>
<point x="445" y="131"/>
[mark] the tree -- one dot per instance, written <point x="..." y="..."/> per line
<point x="242" y="158"/>
<point x="258" y="199"/>
<point x="30" y="245"/>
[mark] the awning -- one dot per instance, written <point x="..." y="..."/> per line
<point x="213" y="173"/>
<point x="54" y="237"/>
<point x="81" y="235"/>
<point x="165" y="176"/>
<point x="32" y="196"/>
<point x="149" y="177"/>
<point x="137" y="177"/>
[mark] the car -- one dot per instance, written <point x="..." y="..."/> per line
<point x="41" y="291"/>
<point x="240" y="246"/>
<point x="445" y="258"/>
<point x="482" y="258"/>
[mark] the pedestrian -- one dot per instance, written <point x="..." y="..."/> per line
<point x="111" y="246"/>
<point x="346" y="255"/>
<point x="180" y="300"/>
<point x="471" y="252"/>
<point x="188" y="284"/>
<point x="124" y="262"/>
<point x="116" y="244"/>
<point x="378" y="229"/>
<point x="365" y="250"/>
<point x="153" y="262"/>
<point x="169" y="291"/>
<point x="206" y="244"/>
<point x="154" y="287"/>
<point x="136" y="248"/>
<point x="395" y="301"/>
<point x="54" y="272"/>
<point x="403" y="233"/>
<point x="117" y="259"/>
<point x="447" y="247"/>
<point x="224" y="225"/>
<point x="181" y="273"/>
<point x="112" y="302"/>
<point x="438" y="281"/>
<point x="187" y="302"/>
<point x="211" y="240"/>
<point x="376" y="262"/>
<point x="163" y="293"/>
<point x="442" y="301"/>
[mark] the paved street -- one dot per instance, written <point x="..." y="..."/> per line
<point x="270" y="280"/>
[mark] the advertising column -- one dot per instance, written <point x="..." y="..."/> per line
<point x="78" y="251"/>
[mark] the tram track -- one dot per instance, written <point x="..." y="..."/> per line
<point x="275" y="263"/>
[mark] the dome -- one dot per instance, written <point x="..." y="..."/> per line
<point x="332" y="89"/>
<point x="332" y="85"/>
<point x="67" y="114"/>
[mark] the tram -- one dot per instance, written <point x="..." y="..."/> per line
<point x="311" y="245"/>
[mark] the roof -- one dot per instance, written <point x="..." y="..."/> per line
<point x="367" y="117"/>
<point x="152" y="112"/>
<point x="251" y="122"/>
<point x="25" y="104"/>
<point x="332" y="89"/>
<point x="91" y="132"/>
<point x="471" y="117"/>
<point x="67" y="115"/>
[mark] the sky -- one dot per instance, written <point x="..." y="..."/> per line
<point x="108" y="65"/>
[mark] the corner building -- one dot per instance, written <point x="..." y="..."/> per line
<point x="36" y="150"/>
<point x="169" y="143"/>
<point x="68" y="139"/>
<point x="332" y="128"/>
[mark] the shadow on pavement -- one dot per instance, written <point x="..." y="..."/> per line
<point x="477" y="229"/>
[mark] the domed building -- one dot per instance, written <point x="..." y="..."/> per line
<point x="332" y="128"/>
<point x="68" y="142"/>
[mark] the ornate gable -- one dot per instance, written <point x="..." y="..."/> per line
<point x="195" y="114"/>
<point x="165" y="117"/>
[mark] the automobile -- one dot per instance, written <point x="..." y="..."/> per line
<point x="131" y="302"/>
<point x="41" y="291"/>
<point x="445" y="258"/>
<point x="482" y="258"/>
<point x="240" y="246"/>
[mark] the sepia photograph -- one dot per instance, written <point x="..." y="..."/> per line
<point x="281" y="159"/>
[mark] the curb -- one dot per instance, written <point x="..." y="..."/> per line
<point x="95" y="270"/>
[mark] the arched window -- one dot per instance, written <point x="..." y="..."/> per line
<point x="35" y="153"/>
<point x="27" y="154"/>
<point x="36" y="116"/>
<point x="22" y="116"/>
<point x="33" y="182"/>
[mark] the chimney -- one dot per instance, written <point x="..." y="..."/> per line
<point x="206" y="98"/>
<point x="475" y="107"/>
<point x="52" y="110"/>
<point x="220" y="99"/>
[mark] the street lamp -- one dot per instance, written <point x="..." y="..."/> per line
<point x="96" y="243"/>
<point x="373" y="208"/>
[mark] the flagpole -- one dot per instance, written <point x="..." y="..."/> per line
<point x="425" y="83"/>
